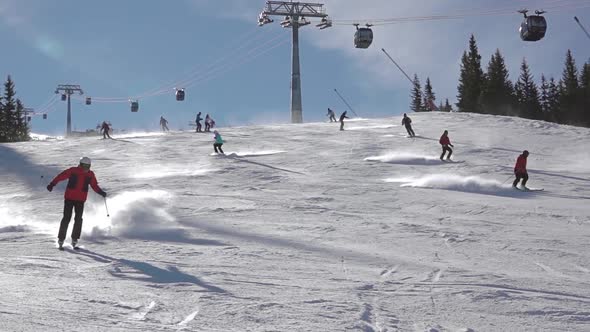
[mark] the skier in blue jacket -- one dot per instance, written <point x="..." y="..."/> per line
<point x="218" y="142"/>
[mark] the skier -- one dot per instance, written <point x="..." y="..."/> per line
<point x="198" y="121"/>
<point x="407" y="122"/>
<point x="79" y="178"/>
<point x="105" y="128"/>
<point x="218" y="142"/>
<point x="445" y="142"/>
<point x="342" y="117"/>
<point x="520" y="170"/>
<point x="331" y="115"/>
<point x="207" y="123"/>
<point x="164" y="124"/>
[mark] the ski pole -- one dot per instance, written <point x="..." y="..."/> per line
<point x="106" y="207"/>
<point x="507" y="179"/>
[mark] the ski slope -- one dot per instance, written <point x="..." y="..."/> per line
<point x="305" y="228"/>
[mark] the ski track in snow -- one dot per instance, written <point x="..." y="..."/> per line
<point x="189" y="318"/>
<point x="141" y="315"/>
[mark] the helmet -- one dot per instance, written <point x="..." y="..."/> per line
<point x="525" y="152"/>
<point x="85" y="161"/>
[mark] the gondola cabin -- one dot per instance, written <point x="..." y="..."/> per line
<point x="88" y="101"/>
<point x="44" y="116"/>
<point x="63" y="97"/>
<point x="533" y="27"/>
<point x="134" y="106"/>
<point x="180" y="95"/>
<point x="363" y="37"/>
<point x="28" y="119"/>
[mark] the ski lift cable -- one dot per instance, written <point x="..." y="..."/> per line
<point x="246" y="40"/>
<point x="265" y="45"/>
<point x="398" y="66"/>
<point x="554" y="6"/>
<point x="582" y="27"/>
<point x="219" y="64"/>
<point x="220" y="70"/>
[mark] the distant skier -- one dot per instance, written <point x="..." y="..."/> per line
<point x="407" y="122"/>
<point x="207" y="123"/>
<point x="164" y="124"/>
<point x="218" y="142"/>
<point x="445" y="142"/>
<point x="198" y="121"/>
<point x="331" y="115"/>
<point x="520" y="170"/>
<point x="342" y="117"/>
<point x="105" y="128"/>
<point x="79" y="178"/>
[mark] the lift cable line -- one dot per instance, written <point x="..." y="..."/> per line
<point x="582" y="27"/>
<point x="398" y="67"/>
<point x="295" y="14"/>
<point x="350" y="108"/>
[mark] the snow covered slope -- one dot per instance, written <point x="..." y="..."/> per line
<point x="305" y="228"/>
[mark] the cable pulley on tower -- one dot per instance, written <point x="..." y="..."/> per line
<point x="533" y="27"/>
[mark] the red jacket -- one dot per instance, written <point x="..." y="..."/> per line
<point x="444" y="140"/>
<point x="520" y="166"/>
<point x="78" y="182"/>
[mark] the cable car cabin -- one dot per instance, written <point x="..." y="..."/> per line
<point x="44" y="116"/>
<point x="88" y="101"/>
<point x="180" y="95"/>
<point x="63" y="97"/>
<point x="28" y="119"/>
<point x="533" y="28"/>
<point x="134" y="106"/>
<point x="363" y="37"/>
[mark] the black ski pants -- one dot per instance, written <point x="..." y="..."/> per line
<point x="217" y="146"/>
<point x="78" y="207"/>
<point x="199" y="126"/>
<point x="446" y="148"/>
<point x="410" y="130"/>
<point x="342" y="125"/>
<point x="523" y="176"/>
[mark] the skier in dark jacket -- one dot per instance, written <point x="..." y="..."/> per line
<point x="520" y="170"/>
<point x="198" y="121"/>
<point x="445" y="142"/>
<point x="407" y="122"/>
<point x="105" y="128"/>
<point x="164" y="124"/>
<point x="342" y="117"/>
<point x="331" y="115"/>
<point x="79" y="178"/>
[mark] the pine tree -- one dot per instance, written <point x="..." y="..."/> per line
<point x="568" y="91"/>
<point x="3" y="122"/>
<point x="471" y="80"/>
<point x="9" y="111"/>
<point x="498" y="94"/>
<point x="544" y="96"/>
<point x="429" y="97"/>
<point x="527" y="94"/>
<point x="416" y="104"/>
<point x="23" y="132"/>
<point x="584" y="98"/>
<point x="447" y="107"/>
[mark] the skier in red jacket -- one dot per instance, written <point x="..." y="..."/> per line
<point x="445" y="142"/>
<point x="520" y="170"/>
<point x="79" y="178"/>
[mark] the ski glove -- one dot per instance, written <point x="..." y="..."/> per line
<point x="50" y="187"/>
<point x="103" y="194"/>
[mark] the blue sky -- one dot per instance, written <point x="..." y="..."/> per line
<point x="241" y="72"/>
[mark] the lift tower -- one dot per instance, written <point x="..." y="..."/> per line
<point x="295" y="14"/>
<point x="67" y="90"/>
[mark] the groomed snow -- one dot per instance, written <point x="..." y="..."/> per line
<point x="305" y="228"/>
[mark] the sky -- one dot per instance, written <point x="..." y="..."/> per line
<point x="240" y="73"/>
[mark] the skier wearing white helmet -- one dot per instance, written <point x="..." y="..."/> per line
<point x="79" y="179"/>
